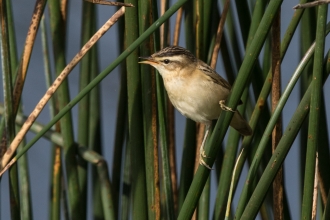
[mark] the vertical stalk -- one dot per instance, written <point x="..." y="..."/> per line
<point x="95" y="136"/>
<point x="9" y="109"/>
<point x="204" y="202"/>
<point x="207" y="24"/>
<point x="314" y="118"/>
<point x="163" y="30"/>
<point x="88" y="18"/>
<point x="24" y="181"/>
<point x="233" y="37"/>
<point x="58" y="36"/>
<point x="258" y="80"/>
<point x="277" y="132"/>
<point x="244" y="18"/>
<point x="23" y="168"/>
<point x="307" y="33"/>
<point x="226" y="172"/>
<point x="199" y="50"/>
<point x="135" y="122"/>
<point x="170" y="121"/>
<point x="149" y="104"/>
<point x="126" y="186"/>
<point x="169" y="211"/>
<point x="121" y="122"/>
<point x="187" y="164"/>
<point x="203" y="206"/>
<point x="56" y="164"/>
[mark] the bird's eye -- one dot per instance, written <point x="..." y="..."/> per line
<point x="166" y="61"/>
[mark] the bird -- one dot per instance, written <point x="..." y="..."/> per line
<point x="195" y="89"/>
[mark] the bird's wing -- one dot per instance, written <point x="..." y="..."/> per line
<point x="216" y="78"/>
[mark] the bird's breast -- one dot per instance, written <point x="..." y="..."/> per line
<point x="197" y="100"/>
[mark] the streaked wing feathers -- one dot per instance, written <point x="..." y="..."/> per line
<point x="216" y="78"/>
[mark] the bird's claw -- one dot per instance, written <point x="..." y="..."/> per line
<point x="201" y="160"/>
<point x="224" y="107"/>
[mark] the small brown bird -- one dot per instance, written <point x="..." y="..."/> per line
<point x="194" y="89"/>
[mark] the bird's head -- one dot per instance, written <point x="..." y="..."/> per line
<point x="170" y="60"/>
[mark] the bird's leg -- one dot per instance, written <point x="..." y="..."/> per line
<point x="201" y="149"/>
<point x="224" y="107"/>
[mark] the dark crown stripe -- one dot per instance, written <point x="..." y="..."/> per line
<point x="175" y="51"/>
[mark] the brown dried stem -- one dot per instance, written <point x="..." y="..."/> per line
<point x="311" y="4"/>
<point x="35" y="113"/>
<point x="101" y="2"/>
<point x="177" y="27"/>
<point x="219" y="35"/>
<point x="277" y="132"/>
<point x="27" y="51"/>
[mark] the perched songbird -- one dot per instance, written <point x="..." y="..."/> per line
<point x="194" y="89"/>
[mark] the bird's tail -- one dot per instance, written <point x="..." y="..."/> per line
<point x="240" y="124"/>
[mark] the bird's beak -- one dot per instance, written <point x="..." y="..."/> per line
<point x="148" y="60"/>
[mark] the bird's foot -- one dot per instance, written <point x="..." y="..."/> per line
<point x="201" y="159"/>
<point x="224" y="107"/>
